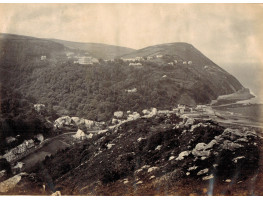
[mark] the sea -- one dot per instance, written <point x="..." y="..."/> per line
<point x="250" y="76"/>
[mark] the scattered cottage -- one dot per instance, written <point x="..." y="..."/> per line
<point x="159" y="56"/>
<point x="10" y="140"/>
<point x="118" y="114"/>
<point x="43" y="57"/>
<point x="39" y="107"/>
<point x="135" y="64"/>
<point x="181" y="108"/>
<point x="131" y="90"/>
<point x="149" y="57"/>
<point x="171" y="63"/>
<point x="190" y="62"/>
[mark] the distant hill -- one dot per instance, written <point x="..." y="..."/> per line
<point x="162" y="77"/>
<point x="103" y="51"/>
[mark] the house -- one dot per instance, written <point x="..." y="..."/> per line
<point x="131" y="90"/>
<point x="184" y="62"/>
<point x="149" y="57"/>
<point x="118" y="114"/>
<point x="9" y="156"/>
<point x="181" y="108"/>
<point x="138" y="58"/>
<point x="159" y="56"/>
<point x="175" y="61"/>
<point x="80" y="135"/>
<point x="190" y="62"/>
<point x="10" y="140"/>
<point x="43" y="57"/>
<point x="39" y="107"/>
<point x="135" y="64"/>
<point x="171" y="63"/>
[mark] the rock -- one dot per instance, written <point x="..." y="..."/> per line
<point x="152" y="177"/>
<point x="235" y="160"/>
<point x="118" y="114"/>
<point x="171" y="158"/>
<point x="10" y="183"/>
<point x="57" y="193"/>
<point x="192" y="168"/>
<point x="183" y="154"/>
<point x="140" y="139"/>
<point x="189" y="122"/>
<point x="152" y="169"/>
<point x="229" y="145"/>
<point x="187" y="173"/>
<point x="211" y="176"/>
<point x="2" y="174"/>
<point x="139" y="182"/>
<point x="109" y="146"/>
<point x="89" y="136"/>
<point x="201" y="150"/>
<point x="204" y="171"/>
<point x="158" y="147"/>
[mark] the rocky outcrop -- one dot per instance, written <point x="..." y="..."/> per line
<point x="10" y="183"/>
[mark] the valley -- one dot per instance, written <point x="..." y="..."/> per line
<point x="97" y="119"/>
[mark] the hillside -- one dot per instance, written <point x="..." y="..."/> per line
<point x="97" y="50"/>
<point x="164" y="154"/>
<point x="182" y="75"/>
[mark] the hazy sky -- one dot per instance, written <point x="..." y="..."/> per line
<point x="225" y="32"/>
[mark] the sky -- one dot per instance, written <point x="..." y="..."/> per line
<point x="226" y="33"/>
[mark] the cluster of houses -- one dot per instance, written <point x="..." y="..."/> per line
<point x="183" y="62"/>
<point x="22" y="148"/>
<point x="19" y="150"/>
<point x="86" y="60"/>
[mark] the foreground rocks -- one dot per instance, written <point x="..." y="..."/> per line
<point x="161" y="151"/>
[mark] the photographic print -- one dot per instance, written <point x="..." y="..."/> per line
<point x="131" y="99"/>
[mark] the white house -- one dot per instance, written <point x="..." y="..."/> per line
<point x="159" y="56"/>
<point x="43" y="57"/>
<point x="171" y="63"/>
<point x="190" y="62"/>
<point x="135" y="64"/>
<point x="131" y="90"/>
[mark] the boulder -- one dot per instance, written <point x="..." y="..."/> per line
<point x="10" y="183"/>
<point x="182" y="155"/>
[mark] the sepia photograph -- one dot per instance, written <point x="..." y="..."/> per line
<point x="131" y="99"/>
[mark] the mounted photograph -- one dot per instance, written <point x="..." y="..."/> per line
<point x="131" y="99"/>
